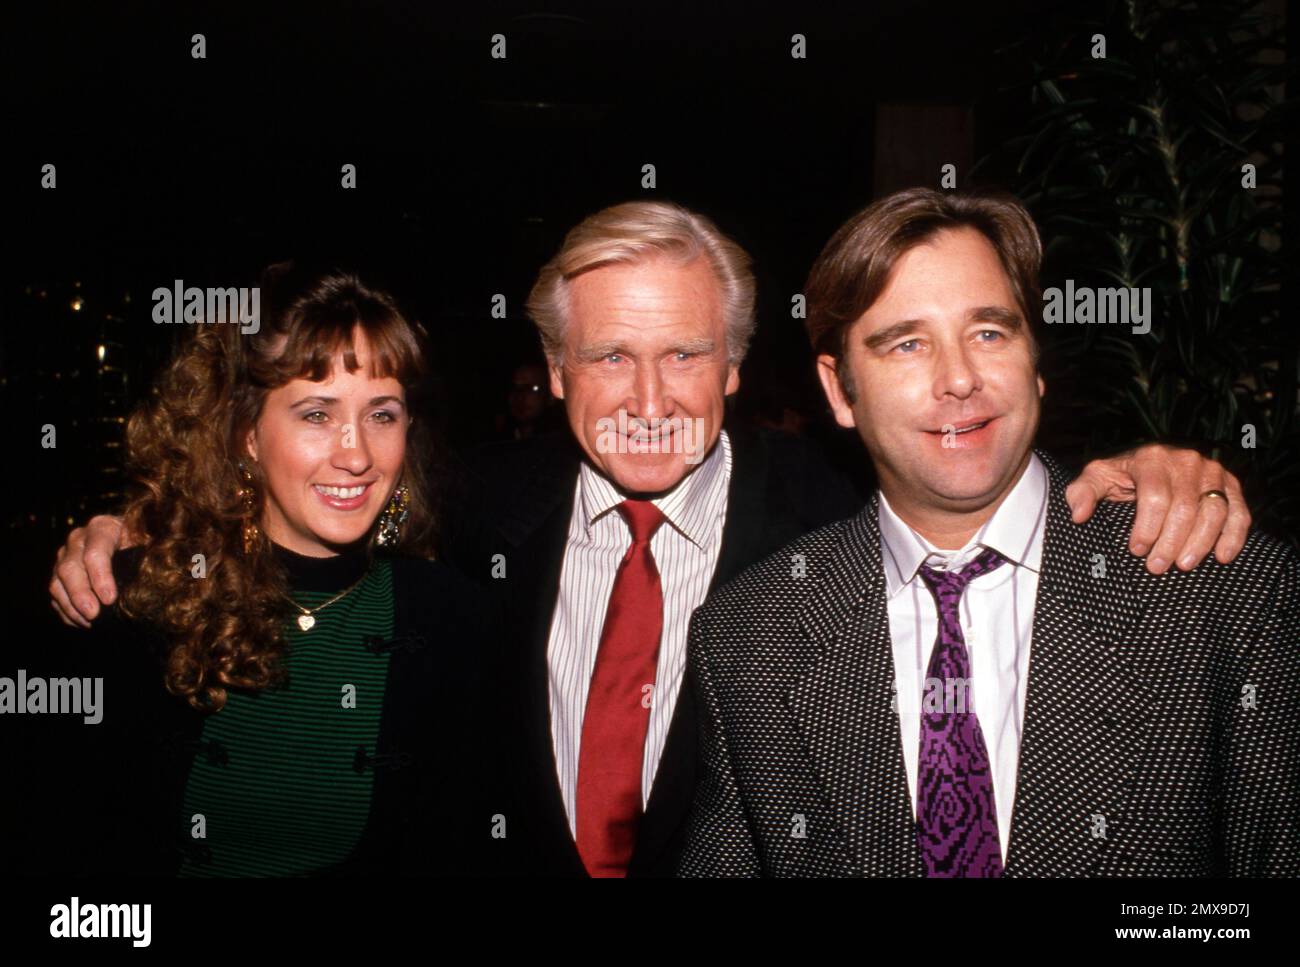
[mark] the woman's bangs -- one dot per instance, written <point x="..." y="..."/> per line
<point x="316" y="343"/>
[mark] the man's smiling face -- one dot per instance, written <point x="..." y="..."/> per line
<point x="947" y="393"/>
<point x="648" y="338"/>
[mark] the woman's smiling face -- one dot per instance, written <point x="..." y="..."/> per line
<point x="331" y="453"/>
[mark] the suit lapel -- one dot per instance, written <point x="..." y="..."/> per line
<point x="672" y="792"/>
<point x="537" y="526"/>
<point x="748" y="510"/>
<point x="1085" y="717"/>
<point x="842" y="706"/>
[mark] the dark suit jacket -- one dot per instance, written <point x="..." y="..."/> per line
<point x="517" y="502"/>
<point x="1167" y="706"/>
<point x="427" y="813"/>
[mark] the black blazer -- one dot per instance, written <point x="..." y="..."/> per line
<point x="516" y="501"/>
<point x="428" y="815"/>
<point x="1160" y="732"/>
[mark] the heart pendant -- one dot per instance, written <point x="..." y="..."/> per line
<point x="305" y="622"/>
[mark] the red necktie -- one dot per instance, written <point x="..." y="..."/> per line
<point x="618" y="708"/>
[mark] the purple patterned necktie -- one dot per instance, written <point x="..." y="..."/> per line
<point x="956" y="817"/>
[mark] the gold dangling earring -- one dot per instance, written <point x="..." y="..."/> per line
<point x="393" y="517"/>
<point x="247" y="496"/>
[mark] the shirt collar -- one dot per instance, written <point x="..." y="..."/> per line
<point x="691" y="507"/>
<point x="1015" y="531"/>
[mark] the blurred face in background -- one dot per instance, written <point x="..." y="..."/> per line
<point x="648" y="338"/>
<point x="528" y="393"/>
<point x="331" y="453"/>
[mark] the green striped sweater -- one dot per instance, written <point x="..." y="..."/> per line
<point x="279" y="787"/>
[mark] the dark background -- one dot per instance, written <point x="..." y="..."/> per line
<point x="469" y="171"/>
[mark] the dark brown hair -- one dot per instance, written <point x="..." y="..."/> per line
<point x="185" y="445"/>
<point x="853" y="269"/>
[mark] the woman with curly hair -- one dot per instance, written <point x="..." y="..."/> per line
<point x="321" y="674"/>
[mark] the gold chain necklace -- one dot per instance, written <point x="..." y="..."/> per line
<point x="307" y="620"/>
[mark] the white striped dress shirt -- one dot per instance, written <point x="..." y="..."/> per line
<point x="997" y="620"/>
<point x="685" y="550"/>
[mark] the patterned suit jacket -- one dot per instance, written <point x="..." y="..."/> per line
<point x="1161" y="729"/>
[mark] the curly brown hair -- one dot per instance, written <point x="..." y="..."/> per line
<point x="185" y="455"/>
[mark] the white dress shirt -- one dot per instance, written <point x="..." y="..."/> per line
<point x="685" y="549"/>
<point x="997" y="617"/>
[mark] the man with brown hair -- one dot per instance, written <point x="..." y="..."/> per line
<point x="958" y="681"/>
